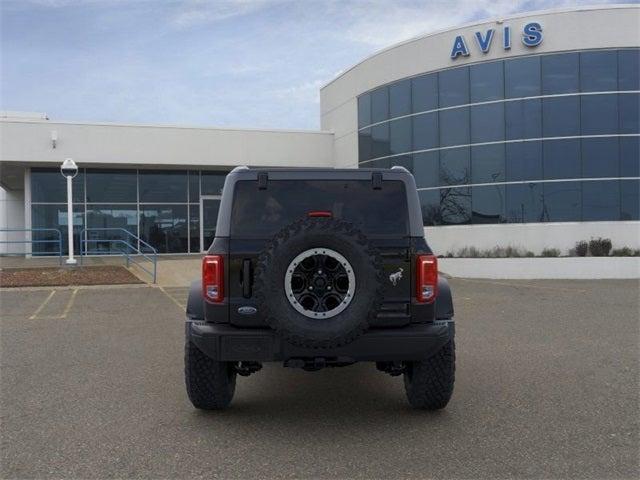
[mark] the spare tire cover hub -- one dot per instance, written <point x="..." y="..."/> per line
<point x="320" y="283"/>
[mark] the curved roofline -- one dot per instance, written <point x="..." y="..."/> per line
<point x="612" y="6"/>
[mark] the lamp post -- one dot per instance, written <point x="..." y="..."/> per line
<point x="69" y="170"/>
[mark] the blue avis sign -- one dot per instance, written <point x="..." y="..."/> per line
<point x="531" y="37"/>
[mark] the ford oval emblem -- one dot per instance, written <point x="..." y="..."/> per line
<point x="247" y="310"/>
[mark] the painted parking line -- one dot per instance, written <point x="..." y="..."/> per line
<point x="42" y="305"/>
<point x="69" y="304"/>
<point x="173" y="298"/>
<point x="38" y="315"/>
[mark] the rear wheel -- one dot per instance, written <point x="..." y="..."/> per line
<point x="210" y="384"/>
<point x="429" y="383"/>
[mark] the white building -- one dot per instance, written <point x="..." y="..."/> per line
<point x="520" y="131"/>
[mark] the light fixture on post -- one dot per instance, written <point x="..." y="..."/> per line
<point x="69" y="169"/>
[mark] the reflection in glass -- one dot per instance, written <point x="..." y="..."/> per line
<point x="49" y="186"/>
<point x="112" y="186"/>
<point x="164" y="227"/>
<point x="523" y="119"/>
<point x="561" y="116"/>
<point x="562" y="202"/>
<point x="54" y="216"/>
<point x="424" y="93"/>
<point x="364" y="110"/>
<point x="454" y="127"/>
<point x="629" y="113"/>
<point x="522" y="77"/>
<point x="599" y="114"/>
<point x="212" y="182"/>
<point x="365" y="147"/>
<point x="487" y="123"/>
<point x="380" y="140"/>
<point x="523" y="161"/>
<point x="400" y="98"/>
<point x="194" y="186"/>
<point x="194" y="228"/>
<point x="405" y="161"/>
<point x="114" y="218"/>
<point x="430" y="203"/>
<point x="209" y="220"/>
<point x="425" y="131"/>
<point x="488" y="204"/>
<point x="487" y="81"/>
<point x="426" y="169"/>
<point x="629" y="69"/>
<point x="600" y="200"/>
<point x="381" y="163"/>
<point x="163" y="186"/>
<point x="453" y="87"/>
<point x="598" y="71"/>
<point x="630" y="200"/>
<point x="487" y="164"/>
<point x="455" y="205"/>
<point x="524" y="203"/>
<point x="454" y="166"/>
<point x="561" y="159"/>
<point x="630" y="157"/>
<point x="600" y="157"/>
<point x="560" y="73"/>
<point x="400" y="135"/>
<point x="379" y="104"/>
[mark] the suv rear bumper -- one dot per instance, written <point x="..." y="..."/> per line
<point x="228" y="343"/>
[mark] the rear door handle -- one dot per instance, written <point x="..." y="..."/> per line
<point x="246" y="278"/>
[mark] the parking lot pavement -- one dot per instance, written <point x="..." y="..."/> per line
<point x="546" y="386"/>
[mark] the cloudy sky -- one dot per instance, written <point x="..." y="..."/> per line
<point x="246" y="63"/>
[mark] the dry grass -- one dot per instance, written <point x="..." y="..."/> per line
<point x="61" y="276"/>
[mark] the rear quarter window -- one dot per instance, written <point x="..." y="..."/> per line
<point x="262" y="213"/>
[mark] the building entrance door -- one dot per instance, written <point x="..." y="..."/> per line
<point x="209" y="206"/>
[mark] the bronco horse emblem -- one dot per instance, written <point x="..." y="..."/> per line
<point x="394" y="277"/>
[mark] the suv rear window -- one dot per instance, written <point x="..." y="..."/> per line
<point x="260" y="213"/>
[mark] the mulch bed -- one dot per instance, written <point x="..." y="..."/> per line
<point x="59" y="277"/>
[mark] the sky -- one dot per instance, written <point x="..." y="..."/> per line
<point x="227" y="63"/>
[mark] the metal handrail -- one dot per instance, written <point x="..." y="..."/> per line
<point x="32" y="241"/>
<point x="150" y="256"/>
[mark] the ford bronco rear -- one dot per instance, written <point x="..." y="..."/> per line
<point x="319" y="268"/>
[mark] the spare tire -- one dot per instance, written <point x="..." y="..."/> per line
<point x="319" y="282"/>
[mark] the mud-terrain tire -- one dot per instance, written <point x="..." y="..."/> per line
<point x="274" y="261"/>
<point x="429" y="383"/>
<point x="210" y="384"/>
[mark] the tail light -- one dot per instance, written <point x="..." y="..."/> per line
<point x="320" y="213"/>
<point x="426" y="278"/>
<point x="213" y="278"/>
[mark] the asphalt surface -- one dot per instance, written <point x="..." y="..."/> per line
<point x="546" y="387"/>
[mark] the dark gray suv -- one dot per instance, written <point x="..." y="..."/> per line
<point x="319" y="268"/>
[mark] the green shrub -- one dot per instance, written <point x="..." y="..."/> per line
<point x="625" y="252"/>
<point x="581" y="248"/>
<point x="600" y="247"/>
<point x="550" y="252"/>
<point x="529" y="253"/>
<point x="468" y="252"/>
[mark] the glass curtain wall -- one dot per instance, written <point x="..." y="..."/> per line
<point x="161" y="207"/>
<point x="545" y="138"/>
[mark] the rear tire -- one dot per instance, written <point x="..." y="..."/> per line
<point x="210" y="384"/>
<point x="429" y="383"/>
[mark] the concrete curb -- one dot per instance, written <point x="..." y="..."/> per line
<point x="584" y="268"/>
